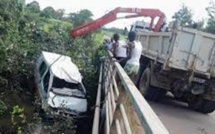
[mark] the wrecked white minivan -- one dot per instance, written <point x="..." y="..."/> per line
<point x="59" y="85"/>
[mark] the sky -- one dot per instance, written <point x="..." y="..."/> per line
<point x="101" y="7"/>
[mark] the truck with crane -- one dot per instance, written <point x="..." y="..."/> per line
<point x="112" y="16"/>
<point x="181" y="61"/>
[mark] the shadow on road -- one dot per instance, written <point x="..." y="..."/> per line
<point x="180" y="119"/>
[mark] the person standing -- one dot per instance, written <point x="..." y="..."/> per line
<point x="134" y="54"/>
<point x="107" y="44"/>
<point x="119" y="49"/>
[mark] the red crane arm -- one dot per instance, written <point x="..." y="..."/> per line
<point x="112" y="15"/>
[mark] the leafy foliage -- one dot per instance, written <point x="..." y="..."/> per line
<point x="3" y="107"/>
<point x="17" y="115"/>
<point x="26" y="30"/>
<point x="184" y="15"/>
<point x="34" y="7"/>
<point x="211" y="21"/>
<point x="48" y="12"/>
<point x="81" y="17"/>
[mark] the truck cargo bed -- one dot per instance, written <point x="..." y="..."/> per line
<point x="185" y="49"/>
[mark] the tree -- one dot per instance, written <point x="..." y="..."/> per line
<point x="33" y="7"/>
<point x="211" y="21"/>
<point x="80" y="17"/>
<point x="59" y="14"/>
<point x="184" y="16"/>
<point x="48" y="12"/>
<point x="125" y="32"/>
<point x="211" y="10"/>
<point x="21" y="4"/>
<point x="199" y="25"/>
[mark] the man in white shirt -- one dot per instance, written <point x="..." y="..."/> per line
<point x="119" y="49"/>
<point x="134" y="54"/>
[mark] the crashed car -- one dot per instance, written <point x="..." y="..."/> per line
<point x="59" y="85"/>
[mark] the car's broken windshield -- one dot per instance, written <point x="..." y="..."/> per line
<point x="62" y="87"/>
<point x="60" y="83"/>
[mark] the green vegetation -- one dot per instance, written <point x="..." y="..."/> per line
<point x="26" y="30"/>
<point x="3" y="107"/>
<point x="110" y="31"/>
<point x="18" y="112"/>
<point x="185" y="17"/>
<point x="211" y="21"/>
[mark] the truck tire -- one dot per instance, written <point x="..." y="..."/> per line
<point x="147" y="90"/>
<point x="202" y="105"/>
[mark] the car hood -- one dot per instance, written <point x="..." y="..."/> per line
<point x="78" y="105"/>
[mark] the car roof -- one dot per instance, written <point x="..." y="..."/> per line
<point x="62" y="67"/>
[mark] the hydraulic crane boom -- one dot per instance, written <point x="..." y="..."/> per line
<point x="112" y="15"/>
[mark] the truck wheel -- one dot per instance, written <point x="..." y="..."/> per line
<point x="144" y="84"/>
<point x="202" y="105"/>
<point x="147" y="90"/>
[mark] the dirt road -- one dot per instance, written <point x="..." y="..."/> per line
<point x="179" y="119"/>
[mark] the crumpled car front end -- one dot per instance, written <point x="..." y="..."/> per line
<point x="66" y="101"/>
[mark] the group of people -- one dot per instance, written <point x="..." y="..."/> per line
<point x="127" y="53"/>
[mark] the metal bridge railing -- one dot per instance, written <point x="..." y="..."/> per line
<point x="126" y="110"/>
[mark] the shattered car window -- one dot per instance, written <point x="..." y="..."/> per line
<point x="60" y="83"/>
<point x="60" y="86"/>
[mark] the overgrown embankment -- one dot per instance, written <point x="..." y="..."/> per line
<point x="24" y="32"/>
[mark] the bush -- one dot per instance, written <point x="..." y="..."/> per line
<point x="3" y="107"/>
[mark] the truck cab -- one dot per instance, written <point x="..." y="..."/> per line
<point x="140" y="26"/>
